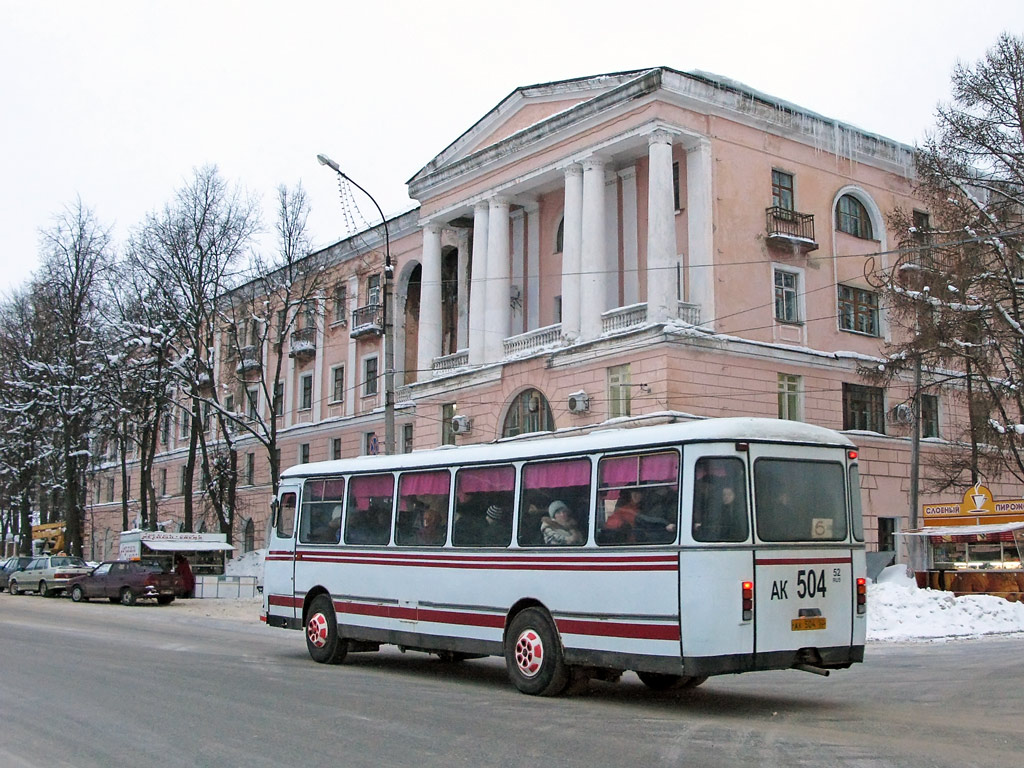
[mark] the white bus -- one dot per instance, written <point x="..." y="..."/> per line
<point x="678" y="551"/>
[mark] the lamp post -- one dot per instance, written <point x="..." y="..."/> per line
<point x="389" y="332"/>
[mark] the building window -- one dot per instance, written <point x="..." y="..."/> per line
<point x="558" y="309"/>
<point x="186" y="424"/>
<point x="407" y="438"/>
<point x="249" y="536"/>
<point x="282" y="322"/>
<point x="252" y="402"/>
<point x="279" y="398"/>
<point x="304" y="453"/>
<point x="308" y="315"/>
<point x="340" y="303"/>
<point x="110" y="489"/>
<point x="852" y="218"/>
<point x="165" y="429"/>
<point x="858" y="310"/>
<point x="929" y="416"/>
<point x="373" y="290"/>
<point x="250" y="469"/>
<point x="560" y="235"/>
<point x="528" y="412"/>
<point x="676" y="197"/>
<point x="163" y="481"/>
<point x="229" y="403"/>
<point x="336" y="448"/>
<point x="370" y="377"/>
<point x="787" y="295"/>
<point x="619" y="391"/>
<point x="448" y="411"/>
<point x="338" y="384"/>
<point x="863" y="408"/>
<point x="789" y="397"/>
<point x="887" y="527"/>
<point x="181" y="481"/>
<point x="370" y="445"/>
<point x="306" y="391"/>
<point x="782" y="190"/>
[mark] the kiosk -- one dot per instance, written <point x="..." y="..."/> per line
<point x="204" y="551"/>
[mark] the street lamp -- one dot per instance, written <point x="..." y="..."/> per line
<point x="389" y="332"/>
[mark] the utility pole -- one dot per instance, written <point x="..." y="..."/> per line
<point x="915" y="443"/>
<point x="386" y="312"/>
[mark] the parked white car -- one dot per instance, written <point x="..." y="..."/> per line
<point x="47" y="575"/>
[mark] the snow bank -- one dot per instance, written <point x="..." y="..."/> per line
<point x="249" y="564"/>
<point x="898" y="610"/>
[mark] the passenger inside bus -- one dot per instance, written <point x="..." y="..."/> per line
<point x="559" y="527"/>
<point x="327" y="526"/>
<point x="433" y="528"/>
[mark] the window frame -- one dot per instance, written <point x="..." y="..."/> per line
<point x="870" y="408"/>
<point x="370" y="384"/>
<point x="790" y="388"/>
<point x="796" y="301"/>
<point x="305" y="392"/>
<point x="852" y="308"/>
<point x="853" y="218"/>
<point x="780" y="190"/>
<point x="337" y="393"/>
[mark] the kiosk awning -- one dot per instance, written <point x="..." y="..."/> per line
<point x="968" y="533"/>
<point x="162" y="545"/>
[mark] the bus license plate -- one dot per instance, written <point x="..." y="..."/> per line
<point x="812" y="622"/>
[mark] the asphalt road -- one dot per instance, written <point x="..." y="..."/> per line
<point x="108" y="685"/>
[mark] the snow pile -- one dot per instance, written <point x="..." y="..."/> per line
<point x="898" y="610"/>
<point x="249" y="564"/>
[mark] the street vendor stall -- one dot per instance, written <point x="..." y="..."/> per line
<point x="204" y="551"/>
<point x="972" y="547"/>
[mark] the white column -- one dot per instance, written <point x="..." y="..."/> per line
<point x="630" y="238"/>
<point x="572" y="255"/>
<point x="661" y="230"/>
<point x="478" y="285"/>
<point x="594" y="261"/>
<point x="699" y="220"/>
<point x="532" y="265"/>
<point x="352" y="373"/>
<point x="611" y="238"/>
<point x="498" y="313"/>
<point x="429" y="340"/>
<point x="320" y="308"/>
<point x="462" y="331"/>
<point x="518" y="267"/>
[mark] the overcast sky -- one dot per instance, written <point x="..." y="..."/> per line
<point x="116" y="102"/>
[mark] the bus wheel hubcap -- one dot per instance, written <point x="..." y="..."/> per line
<point x="316" y="630"/>
<point x="529" y="652"/>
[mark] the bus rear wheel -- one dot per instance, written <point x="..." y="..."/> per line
<point x="322" y="640"/>
<point x="658" y="681"/>
<point x="533" y="654"/>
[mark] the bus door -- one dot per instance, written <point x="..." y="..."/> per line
<point x="715" y="561"/>
<point x="279" y="568"/>
<point x="803" y="577"/>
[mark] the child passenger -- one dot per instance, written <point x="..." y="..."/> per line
<point x="559" y="527"/>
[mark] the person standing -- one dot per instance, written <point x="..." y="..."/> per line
<point x="185" y="578"/>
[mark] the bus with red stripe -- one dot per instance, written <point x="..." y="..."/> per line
<point x="677" y="551"/>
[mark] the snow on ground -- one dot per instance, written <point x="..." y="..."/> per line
<point x="897" y="610"/>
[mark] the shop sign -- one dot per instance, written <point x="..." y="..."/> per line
<point x="977" y="501"/>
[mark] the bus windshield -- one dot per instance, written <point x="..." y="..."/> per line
<point x="800" y="500"/>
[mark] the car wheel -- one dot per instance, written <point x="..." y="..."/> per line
<point x="43" y="590"/>
<point x="659" y="681"/>
<point x="127" y="596"/>
<point x="78" y="594"/>
<point x="322" y="640"/>
<point x="533" y="654"/>
<point x="12" y="587"/>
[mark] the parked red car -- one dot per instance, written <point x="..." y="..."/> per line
<point x="126" y="581"/>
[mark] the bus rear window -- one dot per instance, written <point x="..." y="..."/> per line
<point x="800" y="500"/>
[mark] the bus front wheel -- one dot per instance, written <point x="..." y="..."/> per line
<point x="322" y="640"/>
<point x="533" y="654"/>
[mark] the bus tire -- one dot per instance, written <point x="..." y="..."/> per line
<point x="533" y="654"/>
<point x="322" y="640"/>
<point x="659" y="681"/>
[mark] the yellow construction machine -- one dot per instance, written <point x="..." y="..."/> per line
<point x="51" y="536"/>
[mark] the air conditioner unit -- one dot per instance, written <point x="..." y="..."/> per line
<point x="579" y="402"/>
<point x="461" y="425"/>
<point x="901" y="414"/>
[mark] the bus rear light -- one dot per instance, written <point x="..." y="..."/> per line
<point x="851" y="455"/>
<point x="748" y="600"/>
<point x="862" y="596"/>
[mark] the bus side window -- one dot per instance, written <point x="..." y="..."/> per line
<point x="555" y="505"/>
<point x="286" y="516"/>
<point x="720" y="500"/>
<point x="370" y="500"/>
<point x="484" y="500"/>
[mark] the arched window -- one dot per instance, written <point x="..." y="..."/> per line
<point x="560" y="236"/>
<point x="529" y="412"/>
<point x="852" y="218"/>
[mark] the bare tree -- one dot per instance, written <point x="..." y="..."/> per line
<point x="958" y="287"/>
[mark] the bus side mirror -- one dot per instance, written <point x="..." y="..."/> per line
<point x="275" y="507"/>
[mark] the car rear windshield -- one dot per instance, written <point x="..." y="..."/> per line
<point x="67" y="562"/>
<point x="150" y="566"/>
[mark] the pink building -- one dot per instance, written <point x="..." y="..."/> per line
<point x="630" y="247"/>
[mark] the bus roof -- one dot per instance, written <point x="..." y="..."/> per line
<point x="746" y="429"/>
